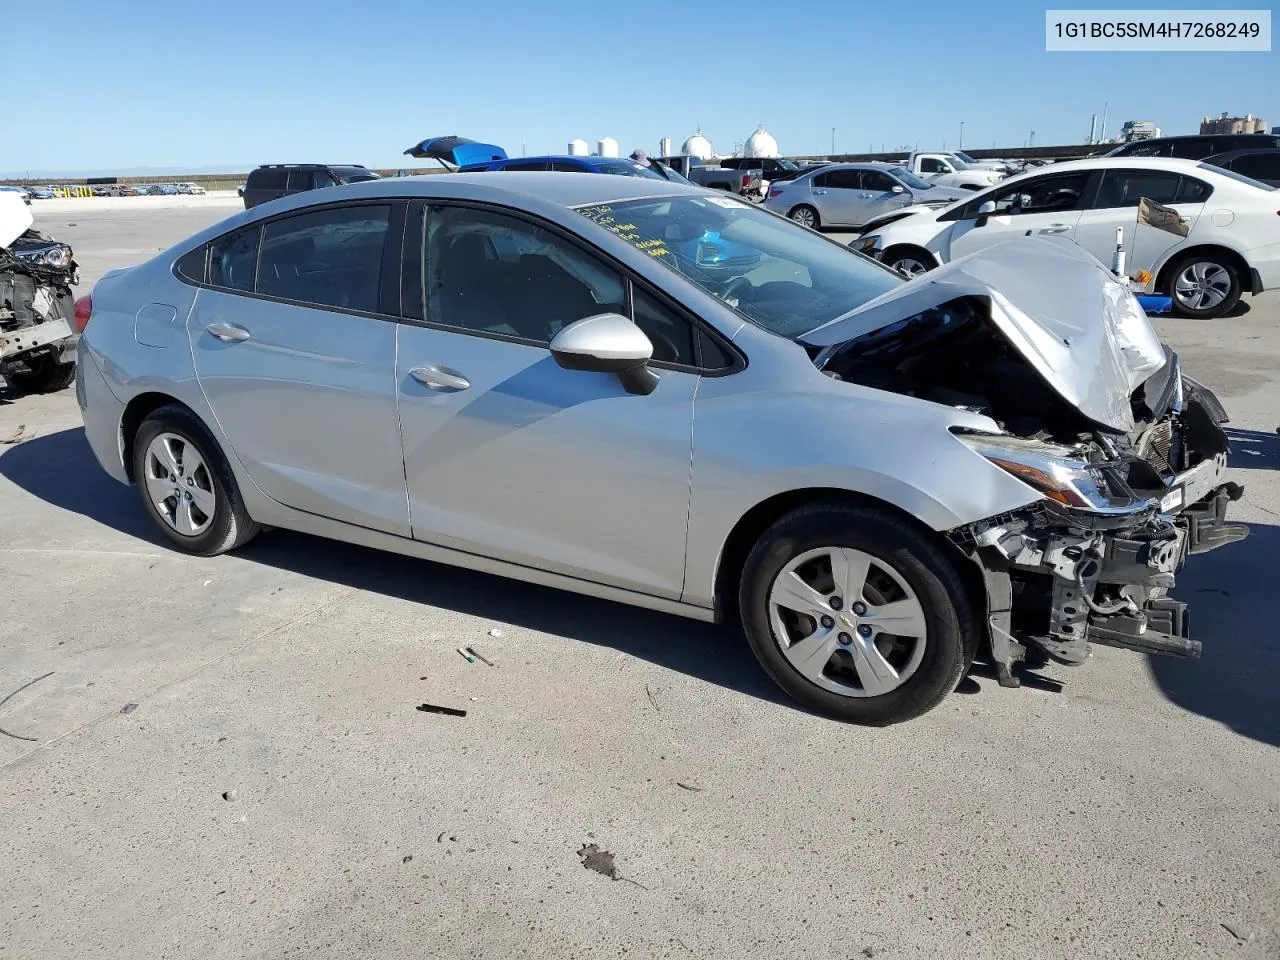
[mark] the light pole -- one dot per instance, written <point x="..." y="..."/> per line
<point x="833" y="141"/>
<point x="961" y="147"/>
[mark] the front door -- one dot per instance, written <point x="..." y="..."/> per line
<point x="299" y="367"/>
<point x="1116" y="205"/>
<point x="878" y="195"/>
<point x="1047" y="206"/>
<point x="510" y="456"/>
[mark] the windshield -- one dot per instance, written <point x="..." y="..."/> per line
<point x="628" y="168"/>
<point x="910" y="179"/>
<point x="353" y="174"/>
<point x="671" y="174"/>
<point x="1238" y="177"/>
<point x="781" y="276"/>
<point x="964" y="156"/>
<point x="956" y="161"/>
<point x="786" y="164"/>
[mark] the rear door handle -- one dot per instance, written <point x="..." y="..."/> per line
<point x="435" y="377"/>
<point x="228" y="332"/>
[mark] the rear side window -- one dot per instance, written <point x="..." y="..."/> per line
<point x="300" y="180"/>
<point x="233" y="259"/>
<point x="330" y="257"/>
<point x="267" y="180"/>
<point x="191" y="265"/>
<point x="349" y="175"/>
<point x="1193" y="191"/>
<point x="1125" y="188"/>
<point x="1195" y="148"/>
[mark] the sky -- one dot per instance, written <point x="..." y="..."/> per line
<point x="230" y="85"/>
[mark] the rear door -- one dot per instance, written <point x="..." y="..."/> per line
<point x="1048" y="205"/>
<point x="294" y="343"/>
<point x="1115" y="205"/>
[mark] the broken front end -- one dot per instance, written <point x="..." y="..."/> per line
<point x="1093" y="562"/>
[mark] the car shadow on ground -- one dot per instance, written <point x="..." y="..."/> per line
<point x="60" y="469"/>
<point x="1254" y="449"/>
<point x="1235" y="615"/>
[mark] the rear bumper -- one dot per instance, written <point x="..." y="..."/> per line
<point x="102" y="413"/>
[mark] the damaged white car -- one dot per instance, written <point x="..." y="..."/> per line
<point x="37" y="336"/>
<point x="663" y="396"/>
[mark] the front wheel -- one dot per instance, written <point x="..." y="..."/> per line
<point x="1203" y="285"/>
<point x="857" y="614"/>
<point x="44" y="374"/>
<point x="909" y="262"/>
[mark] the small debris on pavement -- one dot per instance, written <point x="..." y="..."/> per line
<point x="406" y="858"/>
<point x="230" y="796"/>
<point x="18" y="435"/>
<point x="652" y="699"/>
<point x="483" y="659"/>
<point x="495" y="632"/>
<point x="685" y="786"/>
<point x="447" y="711"/>
<point x="466" y="656"/>
<point x="1237" y="931"/>
<point x="29" y="683"/>
<point x="440" y="839"/>
<point x="129" y="708"/>
<point x="601" y="861"/>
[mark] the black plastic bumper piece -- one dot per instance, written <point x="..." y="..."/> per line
<point x="1162" y="630"/>
<point x="1207" y="527"/>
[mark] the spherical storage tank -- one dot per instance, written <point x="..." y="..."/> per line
<point x="761" y="144"/>
<point x="698" y="146"/>
<point x="608" y="147"/>
<point x="577" y="147"/>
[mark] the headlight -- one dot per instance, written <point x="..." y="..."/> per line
<point x="867" y="244"/>
<point x="1056" y="472"/>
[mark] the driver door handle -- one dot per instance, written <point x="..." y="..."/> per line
<point x="439" y="378"/>
<point x="228" y="332"/>
<point x="821" y="193"/>
<point x="1056" y="228"/>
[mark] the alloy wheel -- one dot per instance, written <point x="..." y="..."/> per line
<point x="179" y="484"/>
<point x="1202" y="285"/>
<point x="804" y="216"/>
<point x="847" y="621"/>
<point x="910" y="267"/>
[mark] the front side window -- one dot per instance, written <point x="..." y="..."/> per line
<point x="930" y="165"/>
<point x="330" y="257"/>
<point x="910" y="179"/>
<point x="1046" y="195"/>
<point x="300" y="180"/>
<point x="877" y="181"/>
<point x="233" y="259"/>
<point x="670" y="333"/>
<point x="1125" y="188"/>
<point x="782" y="277"/>
<point x="492" y="273"/>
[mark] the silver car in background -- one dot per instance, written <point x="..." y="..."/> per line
<point x="667" y="397"/>
<point x="854" y="194"/>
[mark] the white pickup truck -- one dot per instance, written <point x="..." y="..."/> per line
<point x="948" y="170"/>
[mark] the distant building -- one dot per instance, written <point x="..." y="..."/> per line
<point x="1224" y="124"/>
<point x="1138" y="130"/>
<point x="1276" y="130"/>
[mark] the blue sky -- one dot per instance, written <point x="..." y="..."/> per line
<point x="156" y="84"/>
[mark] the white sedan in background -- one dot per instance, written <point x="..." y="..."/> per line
<point x="1233" y="234"/>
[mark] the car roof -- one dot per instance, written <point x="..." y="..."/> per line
<point x="1103" y="163"/>
<point x="1237" y="154"/>
<point x="859" y="165"/>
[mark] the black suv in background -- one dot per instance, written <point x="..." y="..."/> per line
<point x="274" y="180"/>
<point x="1195" y="147"/>
<point x="773" y="169"/>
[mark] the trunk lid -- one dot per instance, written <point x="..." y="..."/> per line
<point x="1077" y="326"/>
<point x="456" y="151"/>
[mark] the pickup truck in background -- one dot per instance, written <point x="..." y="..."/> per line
<point x="773" y="169"/>
<point x="749" y="183"/>
<point x="948" y="170"/>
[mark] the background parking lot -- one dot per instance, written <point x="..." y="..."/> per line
<point x="225" y="758"/>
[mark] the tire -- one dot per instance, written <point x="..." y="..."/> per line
<point x="806" y="216"/>
<point x="1203" y="285"/>
<point x="909" y="261"/>
<point x="214" y="519"/>
<point x="44" y="374"/>
<point x="902" y="563"/>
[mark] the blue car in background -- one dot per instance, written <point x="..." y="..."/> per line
<point x="706" y="253"/>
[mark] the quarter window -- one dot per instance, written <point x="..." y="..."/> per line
<point x="491" y="273"/>
<point x="233" y="259"/>
<point x="330" y="257"/>
<point x="1193" y="191"/>
<point x="670" y="333"/>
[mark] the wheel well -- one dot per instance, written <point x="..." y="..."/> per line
<point x="919" y="252"/>
<point x="752" y="525"/>
<point x="1225" y="253"/>
<point x="138" y="409"/>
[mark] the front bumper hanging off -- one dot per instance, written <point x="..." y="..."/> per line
<point x="1058" y="580"/>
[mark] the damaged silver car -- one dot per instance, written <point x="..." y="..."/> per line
<point x="663" y="396"/>
<point x="37" y="334"/>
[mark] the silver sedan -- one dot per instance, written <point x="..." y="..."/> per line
<point x="664" y="396"/>
<point x="855" y="194"/>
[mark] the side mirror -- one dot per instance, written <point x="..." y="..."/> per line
<point x="985" y="209"/>
<point x="607" y="343"/>
<point x="898" y="188"/>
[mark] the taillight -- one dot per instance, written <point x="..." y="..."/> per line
<point x="746" y="180"/>
<point x="775" y="192"/>
<point x="84" y="310"/>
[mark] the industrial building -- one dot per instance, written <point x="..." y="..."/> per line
<point x="1224" y="124"/>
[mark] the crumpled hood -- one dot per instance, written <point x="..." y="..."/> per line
<point x="15" y="217"/>
<point x="1067" y="315"/>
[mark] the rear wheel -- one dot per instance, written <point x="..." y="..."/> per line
<point x="186" y="485"/>
<point x="857" y="614"/>
<point x="1203" y="285"/>
<point x="44" y="374"/>
<point x="806" y="216"/>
